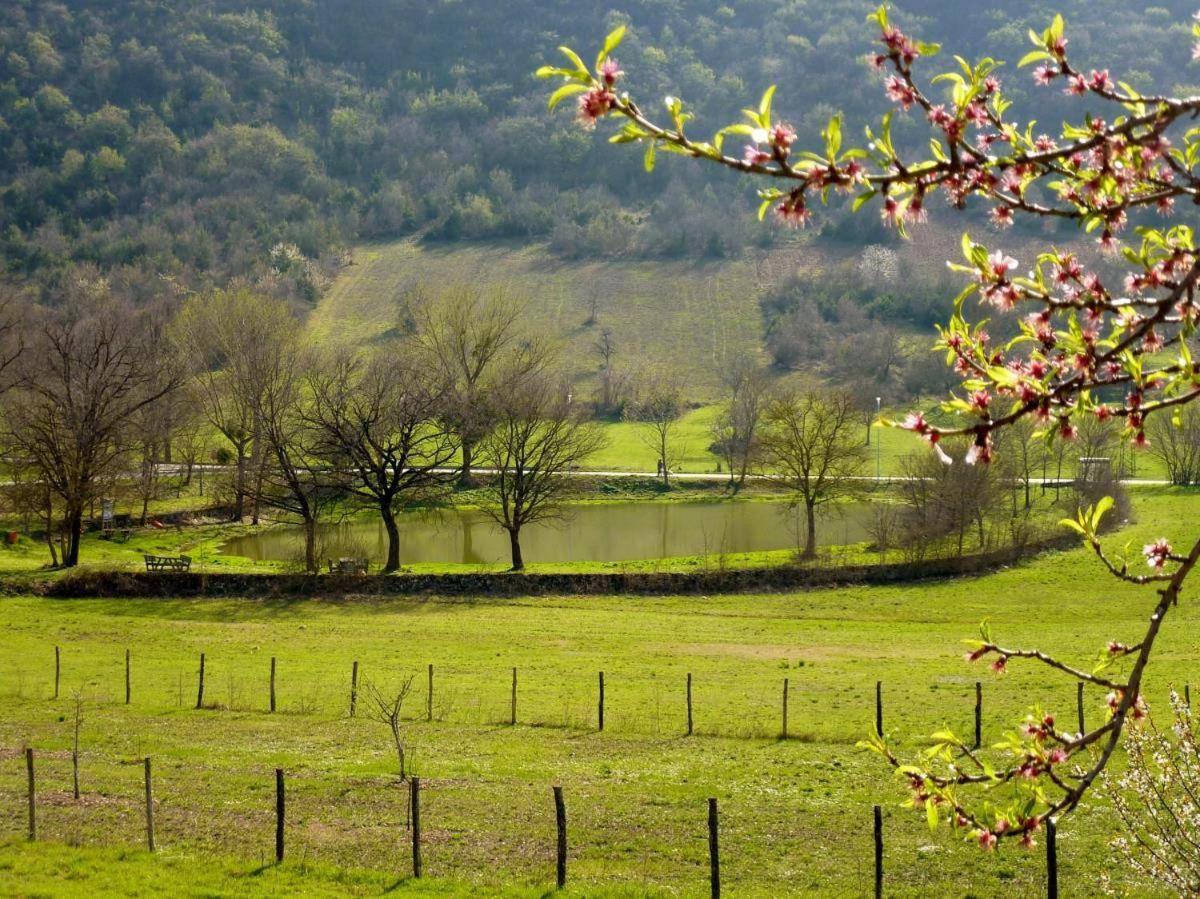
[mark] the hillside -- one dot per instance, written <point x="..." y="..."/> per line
<point x="174" y="145"/>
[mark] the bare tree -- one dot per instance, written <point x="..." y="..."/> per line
<point x="470" y="337"/>
<point x="295" y="481"/>
<point x="610" y="398"/>
<point x="380" y="421"/>
<point x="85" y="376"/>
<point x="1177" y="445"/>
<point x="538" y="437"/>
<point x="812" y="446"/>
<point x="736" y="428"/>
<point x="656" y="410"/>
<point x="592" y="297"/>
<point x="230" y="338"/>
<point x="387" y="708"/>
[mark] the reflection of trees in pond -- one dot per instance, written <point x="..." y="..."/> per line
<point x="604" y="533"/>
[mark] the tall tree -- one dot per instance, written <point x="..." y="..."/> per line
<point x="230" y="338"/>
<point x="381" y="420"/>
<point x="90" y="369"/>
<point x="812" y="445"/>
<point x="295" y="480"/>
<point x="472" y="338"/>
<point x="539" y="436"/>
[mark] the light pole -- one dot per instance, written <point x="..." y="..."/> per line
<point x="878" y="412"/>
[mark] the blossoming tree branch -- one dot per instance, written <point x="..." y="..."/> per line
<point x="1086" y="346"/>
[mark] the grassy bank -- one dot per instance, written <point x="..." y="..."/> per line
<point x="796" y="813"/>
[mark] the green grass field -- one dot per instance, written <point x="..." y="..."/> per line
<point x="795" y="813"/>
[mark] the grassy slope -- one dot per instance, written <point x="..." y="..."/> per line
<point x="685" y="315"/>
<point x="795" y="814"/>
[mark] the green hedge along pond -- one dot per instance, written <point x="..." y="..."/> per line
<point x="610" y="532"/>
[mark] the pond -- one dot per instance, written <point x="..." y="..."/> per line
<point x="608" y="532"/>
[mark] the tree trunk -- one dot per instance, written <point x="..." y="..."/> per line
<point x="310" y="546"/>
<point x="468" y="460"/>
<point x="810" y="539"/>
<point x="50" y="529"/>
<point x="74" y="535"/>
<point x="514" y="539"/>
<point x="393" y="536"/>
<point x="239" y="487"/>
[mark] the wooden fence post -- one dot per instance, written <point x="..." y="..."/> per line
<point x="272" y="683"/>
<point x="279" y="815"/>
<point x="878" y="852"/>
<point x="689" y="703"/>
<point x="978" y="714"/>
<point x="200" y="691"/>
<point x="1051" y="859"/>
<point x="353" y="688"/>
<point x="1187" y="694"/>
<point x="512" y="718"/>
<point x="429" y="697"/>
<point x="415" y="799"/>
<point x="32" y="794"/>
<point x="714" y="850"/>
<point x="128" y="684"/>
<point x="1079" y="706"/>
<point x="560" y="819"/>
<point x="149" y="809"/>
<point x="601" y="704"/>
<point x="57" y="669"/>
<point x="879" y="708"/>
<point x="784" y="732"/>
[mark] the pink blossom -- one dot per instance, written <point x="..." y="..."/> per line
<point x="1076" y="85"/>
<point x="1044" y="74"/>
<point x="1001" y="265"/>
<point x="899" y="92"/>
<point x="782" y="137"/>
<point x="1157" y="553"/>
<point x="1002" y="217"/>
<point x="610" y="71"/>
<point x="793" y="213"/>
<point x="1100" y="81"/>
<point x="594" y="104"/>
<point x="753" y="155"/>
<point x="1000" y="664"/>
<point x="987" y="840"/>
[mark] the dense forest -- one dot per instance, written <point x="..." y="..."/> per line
<point x="174" y="144"/>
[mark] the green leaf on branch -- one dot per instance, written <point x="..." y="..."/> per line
<point x="648" y="162"/>
<point x="610" y="43"/>
<point x="563" y="92"/>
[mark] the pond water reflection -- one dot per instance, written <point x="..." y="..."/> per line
<point x="608" y="532"/>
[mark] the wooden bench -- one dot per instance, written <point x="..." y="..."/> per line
<point x="168" y="563"/>
<point x="349" y="566"/>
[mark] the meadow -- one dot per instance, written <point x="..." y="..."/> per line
<point x="796" y="813"/>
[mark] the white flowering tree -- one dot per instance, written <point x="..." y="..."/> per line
<point x="1087" y="346"/>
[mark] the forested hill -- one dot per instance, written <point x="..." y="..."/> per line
<point x="177" y="142"/>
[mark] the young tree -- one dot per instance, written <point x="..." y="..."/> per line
<point x="1081" y="330"/>
<point x="380" y="420"/>
<point x="85" y="376"/>
<point x="387" y="707"/>
<point x="538" y="437"/>
<point x="1178" y="445"/>
<point x="736" y="428"/>
<point x="812" y="445"/>
<point x="656" y="409"/>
